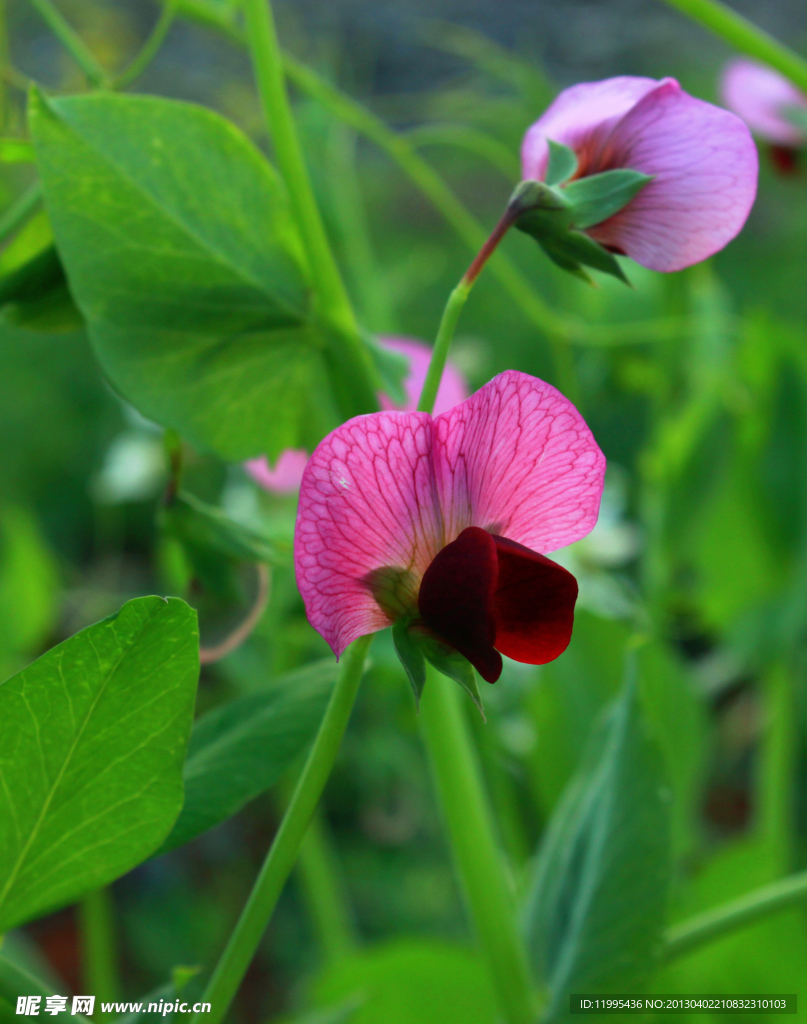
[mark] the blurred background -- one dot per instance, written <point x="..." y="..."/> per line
<point x="695" y="386"/>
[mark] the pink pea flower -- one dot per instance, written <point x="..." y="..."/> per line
<point x="287" y="473"/>
<point x="446" y="520"/>
<point x="702" y="159"/>
<point x="767" y="102"/>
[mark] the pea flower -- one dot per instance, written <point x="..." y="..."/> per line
<point x="285" y="476"/>
<point x="441" y="525"/>
<point x="694" y="170"/>
<point x="771" y="106"/>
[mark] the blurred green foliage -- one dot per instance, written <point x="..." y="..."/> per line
<point x="695" y="386"/>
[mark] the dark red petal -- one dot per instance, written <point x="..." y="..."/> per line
<point x="533" y="605"/>
<point x="456" y="595"/>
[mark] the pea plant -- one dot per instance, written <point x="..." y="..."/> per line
<point x="438" y="524"/>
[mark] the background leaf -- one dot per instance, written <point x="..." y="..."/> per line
<point x="597" y="904"/>
<point x="198" y="310"/>
<point x="242" y="748"/>
<point x="92" y="741"/>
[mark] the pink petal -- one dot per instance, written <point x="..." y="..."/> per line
<point x="518" y="460"/>
<point x="285" y="477"/>
<point x="581" y="117"/>
<point x="452" y="390"/>
<point x="705" y="166"/>
<point x="757" y="93"/>
<point x="367" y="501"/>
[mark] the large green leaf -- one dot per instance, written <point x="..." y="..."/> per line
<point x="597" y="904"/>
<point x="411" y="982"/>
<point x="181" y="254"/>
<point x="93" y="737"/>
<point x="241" y="749"/>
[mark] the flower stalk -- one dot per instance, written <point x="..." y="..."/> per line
<point x="283" y="853"/>
<point x="476" y="850"/>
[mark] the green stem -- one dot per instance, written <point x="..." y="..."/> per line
<point x="267" y="64"/>
<point x="244" y="941"/>
<point x="445" y="335"/>
<point x="150" y="48"/>
<point x="324" y="892"/>
<point x="99" y="946"/>
<point x="71" y="41"/>
<point x="685" y="937"/>
<point x="556" y="328"/>
<point x="17" y="214"/>
<point x="479" y="860"/>
<point x="745" y="36"/>
<point x="777" y="766"/>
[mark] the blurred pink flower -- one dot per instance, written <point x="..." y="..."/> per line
<point x="702" y="158"/>
<point x="758" y="95"/>
<point x="287" y="473"/>
<point x="446" y="520"/>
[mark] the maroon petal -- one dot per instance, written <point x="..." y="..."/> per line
<point x="533" y="605"/>
<point x="456" y="595"/>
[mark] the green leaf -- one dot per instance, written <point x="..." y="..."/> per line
<point x="412" y="982"/>
<point x="92" y="743"/>
<point x="599" y="196"/>
<point x="562" y="163"/>
<point x="241" y="749"/>
<point x="410" y="654"/>
<point x="181" y="253"/>
<point x="201" y="526"/>
<point x="597" y="904"/>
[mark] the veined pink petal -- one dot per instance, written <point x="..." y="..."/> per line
<point x="581" y="117"/>
<point x="285" y="477"/>
<point x="757" y="94"/>
<point x="367" y="503"/>
<point x="705" y="166"/>
<point x="452" y="390"/>
<point x="518" y="460"/>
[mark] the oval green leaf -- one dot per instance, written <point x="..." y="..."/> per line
<point x="93" y="737"/>
<point x="181" y="254"/>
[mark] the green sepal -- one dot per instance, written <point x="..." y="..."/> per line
<point x="795" y="115"/>
<point x="410" y="654"/>
<point x="562" y="163"/>
<point x="415" y="645"/>
<point x="600" y="196"/>
<point x="574" y="250"/>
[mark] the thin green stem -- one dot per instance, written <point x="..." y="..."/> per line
<point x="99" y="946"/>
<point x="689" y="935"/>
<point x="442" y="344"/>
<point x="745" y="36"/>
<point x="334" y="303"/>
<point x="479" y="859"/>
<point x="150" y="48"/>
<point x="19" y="212"/>
<point x="72" y="42"/>
<point x="777" y="764"/>
<point x="244" y="941"/>
<point x="324" y="893"/>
